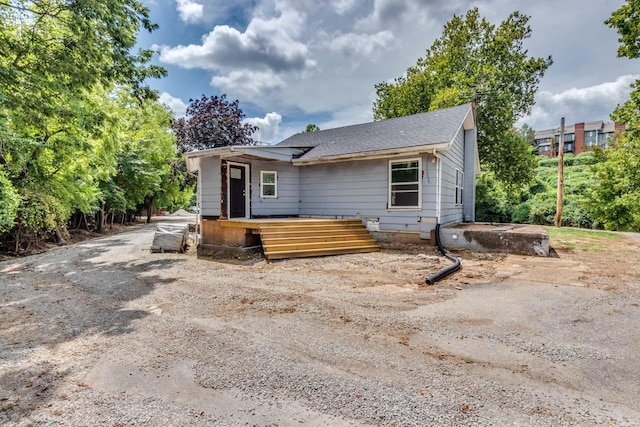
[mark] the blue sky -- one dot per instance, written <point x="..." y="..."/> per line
<point x="295" y="62"/>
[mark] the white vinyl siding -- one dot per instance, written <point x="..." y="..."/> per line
<point x="405" y="184"/>
<point x="269" y="184"/>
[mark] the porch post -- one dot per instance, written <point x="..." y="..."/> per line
<point x="223" y="189"/>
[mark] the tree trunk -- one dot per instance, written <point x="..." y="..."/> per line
<point x="60" y="237"/>
<point x="75" y="221"/>
<point x="149" y="210"/>
<point x="101" y="219"/>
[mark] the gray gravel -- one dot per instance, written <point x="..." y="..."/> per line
<point x="106" y="333"/>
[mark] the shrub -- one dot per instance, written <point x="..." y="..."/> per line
<point x="37" y="216"/>
<point x="9" y="202"/>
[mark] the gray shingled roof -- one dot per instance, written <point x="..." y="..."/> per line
<point x="434" y="127"/>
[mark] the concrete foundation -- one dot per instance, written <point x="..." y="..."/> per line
<point x="397" y="236"/>
<point x="517" y="239"/>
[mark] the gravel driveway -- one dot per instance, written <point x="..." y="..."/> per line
<point x="105" y="333"/>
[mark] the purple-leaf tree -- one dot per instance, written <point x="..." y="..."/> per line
<point x="212" y="122"/>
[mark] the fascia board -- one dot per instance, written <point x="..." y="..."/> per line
<point x="372" y="155"/>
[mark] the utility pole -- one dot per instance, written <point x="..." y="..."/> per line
<point x="560" y="175"/>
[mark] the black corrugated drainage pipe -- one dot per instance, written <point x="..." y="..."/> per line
<point x="445" y="271"/>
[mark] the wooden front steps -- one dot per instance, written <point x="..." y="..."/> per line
<point x="298" y="239"/>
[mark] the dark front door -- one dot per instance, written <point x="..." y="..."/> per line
<point x="237" y="190"/>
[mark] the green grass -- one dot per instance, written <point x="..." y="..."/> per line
<point x="578" y="239"/>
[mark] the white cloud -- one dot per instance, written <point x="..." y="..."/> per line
<point x="189" y="10"/>
<point x="176" y="105"/>
<point x="343" y="6"/>
<point x="350" y="115"/>
<point x="319" y="60"/>
<point x="249" y="84"/>
<point x="389" y="13"/>
<point x="268" y="127"/>
<point x="361" y="45"/>
<point x="266" y="44"/>
<point x="579" y="104"/>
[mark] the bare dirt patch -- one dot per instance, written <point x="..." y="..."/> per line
<point x="106" y="333"/>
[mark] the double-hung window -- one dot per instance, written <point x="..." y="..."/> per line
<point x="459" y="186"/>
<point x="268" y="184"/>
<point x="404" y="183"/>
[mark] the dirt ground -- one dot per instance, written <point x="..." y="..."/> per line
<point x="103" y="332"/>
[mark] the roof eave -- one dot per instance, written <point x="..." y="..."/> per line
<point x="262" y="152"/>
<point x="372" y="155"/>
<point x="193" y="157"/>
<point x="469" y="123"/>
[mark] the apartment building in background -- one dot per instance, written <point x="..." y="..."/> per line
<point x="578" y="137"/>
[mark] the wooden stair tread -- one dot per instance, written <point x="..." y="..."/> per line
<point x="320" y="245"/>
<point x="287" y="223"/>
<point x="303" y="238"/>
<point x="320" y="252"/>
<point x="309" y="228"/>
<point x="312" y="239"/>
<point x="311" y="233"/>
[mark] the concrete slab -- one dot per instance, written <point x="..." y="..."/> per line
<point x="520" y="239"/>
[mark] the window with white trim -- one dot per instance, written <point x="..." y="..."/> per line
<point x="268" y="184"/>
<point x="459" y="186"/>
<point x="405" y="184"/>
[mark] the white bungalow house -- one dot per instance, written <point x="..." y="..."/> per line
<point x="399" y="177"/>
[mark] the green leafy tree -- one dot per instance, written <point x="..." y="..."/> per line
<point x="615" y="199"/>
<point x="626" y="20"/>
<point x="59" y="48"/>
<point x="144" y="170"/>
<point x="528" y="133"/>
<point x="311" y="128"/>
<point x="515" y="147"/>
<point x="46" y="164"/>
<point x="9" y="203"/>
<point x="56" y="55"/>
<point x="475" y="61"/>
<point x="536" y="203"/>
<point x="60" y="132"/>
